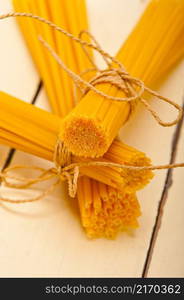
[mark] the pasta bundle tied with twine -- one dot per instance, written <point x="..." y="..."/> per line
<point x="36" y="131"/>
<point x="89" y="191"/>
<point x="93" y="124"/>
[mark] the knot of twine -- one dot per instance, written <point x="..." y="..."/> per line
<point x="61" y="172"/>
<point x="133" y="89"/>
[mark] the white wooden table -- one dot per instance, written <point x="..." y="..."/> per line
<point x="45" y="238"/>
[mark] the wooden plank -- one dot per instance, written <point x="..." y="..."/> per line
<point x="167" y="259"/>
<point x="114" y="19"/>
<point x="45" y="238"/>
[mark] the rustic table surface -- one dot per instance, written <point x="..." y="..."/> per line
<point x="45" y="238"/>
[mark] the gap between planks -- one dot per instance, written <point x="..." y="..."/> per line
<point x="160" y="211"/>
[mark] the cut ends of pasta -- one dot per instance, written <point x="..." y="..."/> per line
<point x="106" y="218"/>
<point x="84" y="136"/>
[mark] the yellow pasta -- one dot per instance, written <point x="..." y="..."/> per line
<point x="153" y="47"/>
<point x="35" y="131"/>
<point x="106" y="175"/>
<point x="115" y="221"/>
<point x="105" y="212"/>
<point x="94" y="219"/>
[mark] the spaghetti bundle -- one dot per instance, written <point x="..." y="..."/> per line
<point x="33" y="130"/>
<point x="105" y="211"/>
<point x="156" y="43"/>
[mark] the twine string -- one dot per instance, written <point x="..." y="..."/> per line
<point x="64" y="169"/>
<point x="62" y="159"/>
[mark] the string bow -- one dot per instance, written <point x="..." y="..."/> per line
<point x="60" y="172"/>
